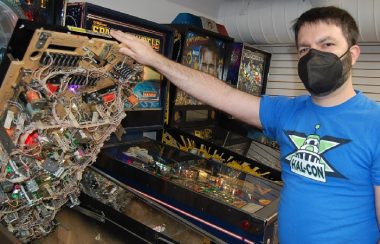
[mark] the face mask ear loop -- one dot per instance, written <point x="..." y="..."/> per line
<point x="345" y="53"/>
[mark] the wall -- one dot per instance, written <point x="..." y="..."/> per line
<point x="161" y="11"/>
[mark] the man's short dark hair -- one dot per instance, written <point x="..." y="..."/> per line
<point x="329" y="15"/>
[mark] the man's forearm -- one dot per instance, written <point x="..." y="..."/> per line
<point x="210" y="90"/>
<point x="202" y="86"/>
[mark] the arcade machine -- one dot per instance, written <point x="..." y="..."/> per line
<point x="231" y="205"/>
<point x="248" y="72"/>
<point x="44" y="11"/>
<point x="64" y="90"/>
<point x="146" y="101"/>
<point x="148" y="168"/>
<point x="145" y="113"/>
<point x="202" y="50"/>
<point x="197" y="127"/>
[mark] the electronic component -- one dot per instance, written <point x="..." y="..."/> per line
<point x="106" y="94"/>
<point x="7" y="186"/>
<point x="32" y="186"/>
<point x="53" y="167"/>
<point x="130" y="71"/>
<point x="62" y="95"/>
<point x="11" y="217"/>
<point x="3" y="196"/>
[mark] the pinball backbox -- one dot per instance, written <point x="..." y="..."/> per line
<point x="248" y="68"/>
<point x="204" y="51"/>
<point x="145" y="109"/>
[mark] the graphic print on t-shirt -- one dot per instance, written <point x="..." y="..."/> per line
<point x="308" y="160"/>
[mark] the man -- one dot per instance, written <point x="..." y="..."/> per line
<point x="330" y="143"/>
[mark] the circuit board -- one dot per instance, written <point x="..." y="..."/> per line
<point x="59" y="103"/>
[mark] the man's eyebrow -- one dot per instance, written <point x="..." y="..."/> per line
<point x="324" y="39"/>
<point x="321" y="40"/>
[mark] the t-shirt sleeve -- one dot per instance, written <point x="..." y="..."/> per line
<point x="375" y="142"/>
<point x="376" y="167"/>
<point x="271" y="111"/>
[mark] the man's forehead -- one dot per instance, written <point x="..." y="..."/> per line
<point x="319" y="31"/>
<point x="322" y="24"/>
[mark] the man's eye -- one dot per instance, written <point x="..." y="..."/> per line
<point x="303" y="50"/>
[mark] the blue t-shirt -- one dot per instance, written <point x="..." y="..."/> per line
<point x="330" y="159"/>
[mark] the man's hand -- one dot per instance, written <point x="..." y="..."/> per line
<point x="136" y="48"/>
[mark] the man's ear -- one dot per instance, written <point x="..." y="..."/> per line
<point x="355" y="52"/>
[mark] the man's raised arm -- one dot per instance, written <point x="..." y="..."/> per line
<point x="202" y="86"/>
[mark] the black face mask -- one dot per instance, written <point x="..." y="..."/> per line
<point x="323" y="72"/>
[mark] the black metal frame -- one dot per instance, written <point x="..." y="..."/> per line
<point x="211" y="120"/>
<point x="85" y="14"/>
